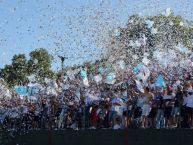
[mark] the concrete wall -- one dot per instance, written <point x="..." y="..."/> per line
<point x="104" y="137"/>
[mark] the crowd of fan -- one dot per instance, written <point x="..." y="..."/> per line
<point x="103" y="106"/>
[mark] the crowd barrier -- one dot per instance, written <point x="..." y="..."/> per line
<point x="101" y="137"/>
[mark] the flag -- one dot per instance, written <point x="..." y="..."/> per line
<point x="137" y="68"/>
<point x="139" y="86"/>
<point x="83" y="73"/>
<point x="160" y="81"/>
<point x="21" y="90"/>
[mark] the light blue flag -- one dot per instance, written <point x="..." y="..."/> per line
<point x="160" y="81"/>
<point x="21" y="90"/>
<point x="83" y="73"/>
<point x="149" y="23"/>
<point x="101" y="70"/>
<point x="182" y="48"/>
<point x="137" y="68"/>
<point x="33" y="90"/>
<point x="109" y="78"/>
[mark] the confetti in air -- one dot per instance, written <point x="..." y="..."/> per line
<point x="74" y="51"/>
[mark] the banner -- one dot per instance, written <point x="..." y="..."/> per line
<point x="160" y="81"/>
<point x="27" y="90"/>
<point x="110" y="78"/>
<point x="21" y="90"/>
<point x="137" y="68"/>
<point x="33" y="90"/>
<point x="83" y="73"/>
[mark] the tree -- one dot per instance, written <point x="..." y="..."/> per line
<point x="40" y="64"/>
<point x="16" y="73"/>
<point x="148" y="34"/>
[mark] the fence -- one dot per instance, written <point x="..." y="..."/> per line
<point x="102" y="137"/>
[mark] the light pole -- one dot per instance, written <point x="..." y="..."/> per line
<point x="62" y="58"/>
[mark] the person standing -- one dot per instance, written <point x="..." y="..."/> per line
<point x="160" y="111"/>
<point x="189" y="108"/>
<point x="178" y="103"/>
<point x="148" y="97"/>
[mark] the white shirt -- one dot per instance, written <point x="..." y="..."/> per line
<point x="152" y="86"/>
<point x="90" y="98"/>
<point x="116" y="126"/>
<point x="165" y="97"/>
<point x="185" y="100"/>
<point x="116" y="100"/>
<point x="190" y="101"/>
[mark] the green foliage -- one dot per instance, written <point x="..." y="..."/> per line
<point x="174" y="33"/>
<point x="16" y="73"/>
<point x="171" y="30"/>
<point x="39" y="64"/>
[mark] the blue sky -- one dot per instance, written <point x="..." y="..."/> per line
<point x="67" y="24"/>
